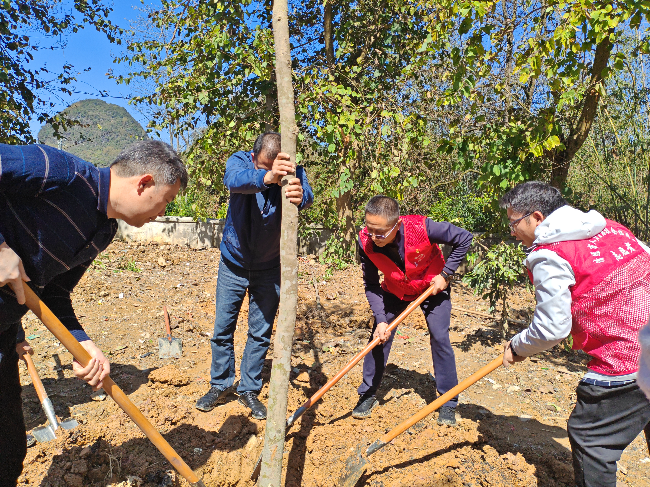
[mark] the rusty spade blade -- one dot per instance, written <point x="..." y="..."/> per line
<point x="355" y="466"/>
<point x="169" y="347"/>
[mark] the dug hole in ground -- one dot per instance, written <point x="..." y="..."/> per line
<point x="511" y="425"/>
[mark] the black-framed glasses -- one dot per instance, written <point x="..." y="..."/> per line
<point x="380" y="237"/>
<point x="512" y="224"/>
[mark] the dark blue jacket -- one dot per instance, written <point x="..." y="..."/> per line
<point x="251" y="236"/>
<point x="53" y="215"/>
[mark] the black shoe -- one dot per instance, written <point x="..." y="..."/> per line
<point x="250" y="400"/>
<point x="447" y="416"/>
<point x="364" y="407"/>
<point x="31" y="441"/>
<point x="212" y="398"/>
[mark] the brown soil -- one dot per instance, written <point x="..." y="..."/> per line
<point x="512" y="424"/>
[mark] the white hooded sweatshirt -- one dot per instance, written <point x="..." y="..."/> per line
<point x="553" y="278"/>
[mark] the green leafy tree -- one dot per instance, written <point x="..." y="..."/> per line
<point x="214" y="77"/>
<point x="529" y="76"/>
<point x="24" y="88"/>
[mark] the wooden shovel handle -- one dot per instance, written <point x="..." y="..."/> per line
<point x="83" y="357"/>
<point x="318" y="394"/>
<point x="36" y="380"/>
<point x="476" y="376"/>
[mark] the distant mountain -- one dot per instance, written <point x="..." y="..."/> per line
<point x="105" y="130"/>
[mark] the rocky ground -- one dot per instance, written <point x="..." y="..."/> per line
<point x="511" y="425"/>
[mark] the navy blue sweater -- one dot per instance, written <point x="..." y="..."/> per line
<point x="53" y="215"/>
<point x="251" y="236"/>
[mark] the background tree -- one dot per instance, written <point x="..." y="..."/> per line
<point x="442" y="105"/>
<point x="531" y="75"/>
<point x="25" y="90"/>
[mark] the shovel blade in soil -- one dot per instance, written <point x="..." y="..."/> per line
<point x="44" y="434"/>
<point x="68" y="424"/>
<point x="257" y="469"/>
<point x="167" y="349"/>
<point x="355" y="467"/>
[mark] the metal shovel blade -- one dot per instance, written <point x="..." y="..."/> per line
<point x="68" y="424"/>
<point x="355" y="467"/>
<point x="44" y="433"/>
<point x="170" y="349"/>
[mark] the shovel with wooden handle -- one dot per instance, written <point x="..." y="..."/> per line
<point x="45" y="433"/>
<point x="53" y="324"/>
<point x="169" y="347"/>
<point x="318" y="394"/>
<point x="356" y="464"/>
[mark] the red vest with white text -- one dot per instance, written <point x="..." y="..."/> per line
<point x="611" y="297"/>
<point x="422" y="260"/>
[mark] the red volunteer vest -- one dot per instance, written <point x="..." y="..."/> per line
<point x="611" y="297"/>
<point x="422" y="260"/>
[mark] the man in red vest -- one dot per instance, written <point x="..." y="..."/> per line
<point x="406" y="251"/>
<point x="592" y="280"/>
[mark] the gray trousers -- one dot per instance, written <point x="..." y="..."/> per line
<point x="603" y="423"/>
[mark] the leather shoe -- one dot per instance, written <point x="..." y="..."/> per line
<point x="212" y="398"/>
<point x="250" y="400"/>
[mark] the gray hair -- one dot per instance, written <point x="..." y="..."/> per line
<point x="533" y="196"/>
<point x="151" y="157"/>
<point x="268" y="144"/>
<point x="385" y="207"/>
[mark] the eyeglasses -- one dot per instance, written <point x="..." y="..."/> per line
<point x="513" y="223"/>
<point x="380" y="237"/>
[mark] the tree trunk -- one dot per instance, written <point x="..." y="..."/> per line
<point x="271" y="469"/>
<point x="344" y="210"/>
<point x="346" y="217"/>
<point x="269" y="113"/>
<point x="327" y="32"/>
<point x="579" y="133"/>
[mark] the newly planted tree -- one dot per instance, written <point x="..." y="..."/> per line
<point x="271" y="470"/>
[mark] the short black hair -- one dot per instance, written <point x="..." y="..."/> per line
<point x="151" y="157"/>
<point x="533" y="196"/>
<point x="268" y="144"/>
<point x="383" y="206"/>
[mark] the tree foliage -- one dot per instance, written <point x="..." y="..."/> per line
<point x="408" y="98"/>
<point x="530" y="76"/>
<point x="24" y="87"/>
<point x="494" y="274"/>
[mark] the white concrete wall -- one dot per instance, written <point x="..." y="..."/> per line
<point x="175" y="230"/>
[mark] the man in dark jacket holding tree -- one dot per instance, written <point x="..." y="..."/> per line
<point x="250" y="261"/>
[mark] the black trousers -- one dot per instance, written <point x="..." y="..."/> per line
<point x="603" y="423"/>
<point x="13" y="444"/>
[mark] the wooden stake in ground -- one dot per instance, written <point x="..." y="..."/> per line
<point x="271" y="470"/>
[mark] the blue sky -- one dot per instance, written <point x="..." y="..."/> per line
<point x="90" y="49"/>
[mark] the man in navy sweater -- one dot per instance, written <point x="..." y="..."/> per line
<point x="57" y="213"/>
<point x="250" y="260"/>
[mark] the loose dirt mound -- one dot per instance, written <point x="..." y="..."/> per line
<point x="512" y="424"/>
<point x="169" y="375"/>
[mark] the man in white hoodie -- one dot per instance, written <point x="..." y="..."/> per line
<point x="592" y="280"/>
